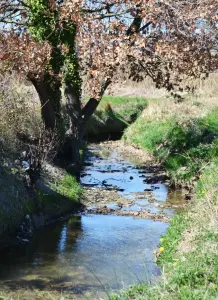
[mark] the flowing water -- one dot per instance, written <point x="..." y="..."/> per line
<point x="91" y="255"/>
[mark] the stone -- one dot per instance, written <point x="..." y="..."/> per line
<point x="25" y="240"/>
<point x="188" y="197"/>
<point x="17" y="162"/>
<point x="24" y="154"/>
<point x="27" y="217"/>
<point x="25" y="165"/>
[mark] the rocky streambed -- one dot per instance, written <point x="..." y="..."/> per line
<point x="122" y="183"/>
<point x="107" y="247"/>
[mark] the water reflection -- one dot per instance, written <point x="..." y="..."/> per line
<point x="88" y="253"/>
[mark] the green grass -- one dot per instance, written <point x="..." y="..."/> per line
<point x="113" y="115"/>
<point x="121" y="101"/>
<point x="63" y="201"/>
<point x="147" y="134"/>
<point x="183" y="147"/>
<point x="68" y="187"/>
<point x="189" y="256"/>
<point x="128" y="108"/>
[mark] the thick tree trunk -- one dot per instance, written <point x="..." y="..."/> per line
<point x="73" y="136"/>
<point x="78" y="120"/>
<point x="50" y="98"/>
<point x="79" y="117"/>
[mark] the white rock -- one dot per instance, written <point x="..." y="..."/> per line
<point x="24" y="154"/>
<point x="25" y="164"/>
<point x="27" y="217"/>
<point x="25" y="240"/>
<point x="17" y="162"/>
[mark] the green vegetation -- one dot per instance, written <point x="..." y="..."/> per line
<point x="128" y="108"/>
<point x="183" y="137"/>
<point x="22" y="130"/>
<point x="189" y="252"/>
<point x="113" y="115"/>
<point x="61" y="199"/>
<point x="68" y="187"/>
<point x="183" y="146"/>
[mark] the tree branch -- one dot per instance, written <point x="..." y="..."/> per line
<point x="110" y="15"/>
<point x="145" y="26"/>
<point x="106" y="7"/>
<point x="13" y="22"/>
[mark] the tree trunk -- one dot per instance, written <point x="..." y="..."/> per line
<point x="50" y="98"/>
<point x="78" y="119"/>
<point x="73" y="136"/>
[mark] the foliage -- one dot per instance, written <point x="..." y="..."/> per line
<point x="42" y="20"/>
<point x="18" y="116"/>
<point x="68" y="187"/>
<point x="146" y="38"/>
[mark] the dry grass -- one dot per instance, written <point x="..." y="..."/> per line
<point x="19" y="113"/>
<point x="134" y="153"/>
<point x="162" y="105"/>
<point x="33" y="294"/>
<point x="129" y="88"/>
<point x="147" y="88"/>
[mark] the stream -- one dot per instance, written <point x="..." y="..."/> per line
<point x="108" y="247"/>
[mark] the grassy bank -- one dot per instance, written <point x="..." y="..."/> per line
<point x="183" y="137"/>
<point x="113" y="115"/>
<point x="189" y="251"/>
<point x="128" y="108"/>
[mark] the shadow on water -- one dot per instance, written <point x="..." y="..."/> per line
<point x="91" y="254"/>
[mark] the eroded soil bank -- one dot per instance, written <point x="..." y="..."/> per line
<point x="109" y="246"/>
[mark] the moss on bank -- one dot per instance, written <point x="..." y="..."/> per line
<point x="68" y="187"/>
<point x="189" y="251"/>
